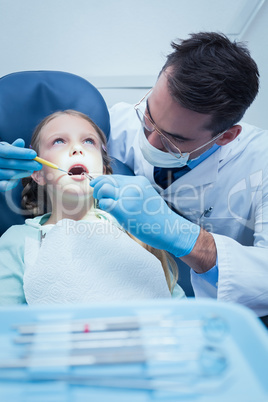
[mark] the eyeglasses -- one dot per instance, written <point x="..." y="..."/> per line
<point x="149" y="127"/>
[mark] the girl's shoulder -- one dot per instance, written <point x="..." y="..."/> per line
<point x="17" y="233"/>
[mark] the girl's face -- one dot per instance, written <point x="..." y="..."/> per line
<point x="72" y="143"/>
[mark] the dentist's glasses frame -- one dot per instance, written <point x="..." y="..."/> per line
<point x="149" y="127"/>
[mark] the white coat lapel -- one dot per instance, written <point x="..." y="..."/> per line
<point x="204" y="173"/>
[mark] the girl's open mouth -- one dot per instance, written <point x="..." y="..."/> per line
<point x="77" y="171"/>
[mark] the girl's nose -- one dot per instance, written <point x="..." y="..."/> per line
<point x="76" y="149"/>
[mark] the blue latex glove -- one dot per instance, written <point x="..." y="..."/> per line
<point x="139" y="208"/>
<point x="16" y="162"/>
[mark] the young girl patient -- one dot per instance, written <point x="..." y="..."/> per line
<point x="76" y="253"/>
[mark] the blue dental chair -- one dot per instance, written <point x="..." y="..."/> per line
<point x="25" y="99"/>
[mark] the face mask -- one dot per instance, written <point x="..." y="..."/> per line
<point x="159" y="158"/>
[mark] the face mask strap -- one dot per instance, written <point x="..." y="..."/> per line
<point x="209" y="142"/>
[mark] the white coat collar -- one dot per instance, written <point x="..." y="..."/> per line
<point x="205" y="173"/>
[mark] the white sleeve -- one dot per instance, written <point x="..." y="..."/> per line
<point x="243" y="268"/>
<point x="243" y="274"/>
<point x="124" y="132"/>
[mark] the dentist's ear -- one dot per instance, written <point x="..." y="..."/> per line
<point x="38" y="177"/>
<point x="229" y="135"/>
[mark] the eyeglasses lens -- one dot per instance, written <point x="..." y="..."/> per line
<point x="169" y="145"/>
<point x="149" y="127"/>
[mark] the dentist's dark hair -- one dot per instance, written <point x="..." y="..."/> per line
<point x="210" y="74"/>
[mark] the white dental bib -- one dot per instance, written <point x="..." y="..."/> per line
<point x="90" y="262"/>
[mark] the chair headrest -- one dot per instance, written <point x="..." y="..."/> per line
<point x="25" y="99"/>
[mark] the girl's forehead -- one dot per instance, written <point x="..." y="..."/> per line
<point x="67" y="120"/>
<point x="68" y="124"/>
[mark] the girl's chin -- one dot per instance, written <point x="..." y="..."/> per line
<point x="76" y="189"/>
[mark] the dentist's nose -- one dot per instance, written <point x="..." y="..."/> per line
<point x="155" y="140"/>
<point x="76" y="149"/>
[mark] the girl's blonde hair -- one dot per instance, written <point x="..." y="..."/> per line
<point x="37" y="202"/>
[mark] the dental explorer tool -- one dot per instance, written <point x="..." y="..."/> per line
<point x="88" y="176"/>
<point x="47" y="163"/>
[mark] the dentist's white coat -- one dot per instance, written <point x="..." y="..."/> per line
<point x="234" y="181"/>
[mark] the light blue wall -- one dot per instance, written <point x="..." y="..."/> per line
<point x="122" y="43"/>
<point x="256" y="38"/>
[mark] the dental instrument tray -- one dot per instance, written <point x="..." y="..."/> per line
<point x="190" y="350"/>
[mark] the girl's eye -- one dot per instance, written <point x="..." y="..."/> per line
<point x="90" y="141"/>
<point x="58" y="141"/>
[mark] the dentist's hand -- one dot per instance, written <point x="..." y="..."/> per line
<point x="15" y="162"/>
<point x="142" y="211"/>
